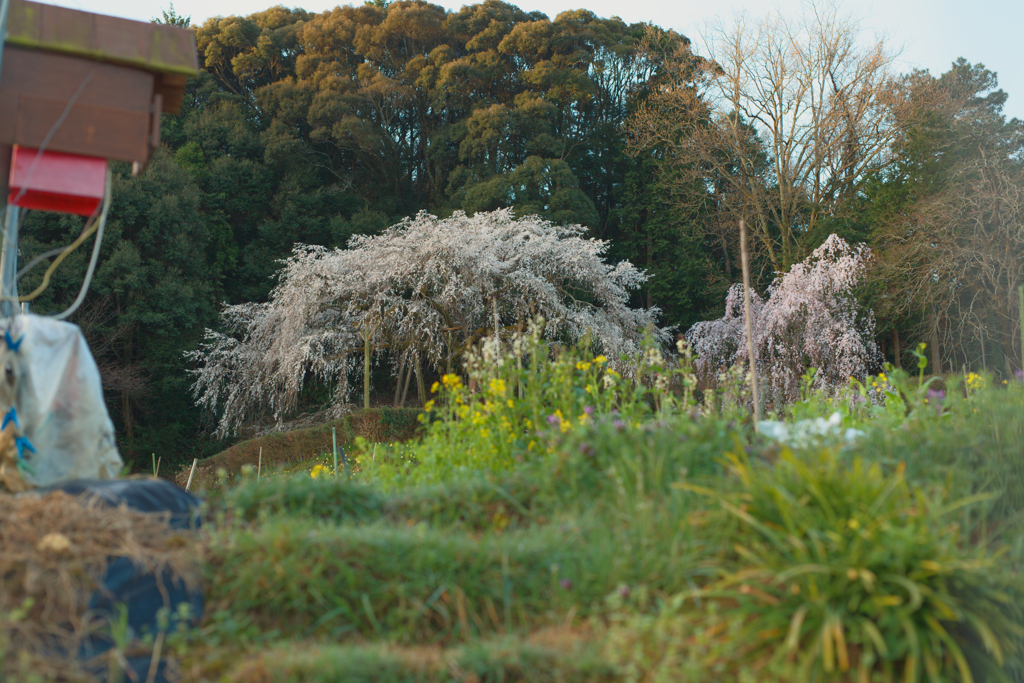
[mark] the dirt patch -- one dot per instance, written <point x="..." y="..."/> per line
<point x="376" y="425"/>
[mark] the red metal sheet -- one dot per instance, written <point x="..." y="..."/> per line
<point x="54" y="181"/>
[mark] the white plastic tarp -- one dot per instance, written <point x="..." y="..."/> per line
<point x="46" y="369"/>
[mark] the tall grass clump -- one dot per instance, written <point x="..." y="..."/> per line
<point x="833" y="571"/>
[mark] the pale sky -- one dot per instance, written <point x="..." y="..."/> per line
<point x="932" y="33"/>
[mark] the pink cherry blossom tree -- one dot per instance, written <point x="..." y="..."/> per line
<point x="810" y="318"/>
<point x="428" y="287"/>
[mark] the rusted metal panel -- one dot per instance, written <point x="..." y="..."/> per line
<point x="154" y="47"/>
<point x="108" y="110"/>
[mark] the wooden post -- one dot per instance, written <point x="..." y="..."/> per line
<point x="193" y="471"/>
<point x="334" y="439"/>
<point x="1020" y="302"/>
<point x="259" y="465"/>
<point x="750" y="326"/>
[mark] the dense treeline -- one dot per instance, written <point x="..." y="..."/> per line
<point x="309" y="128"/>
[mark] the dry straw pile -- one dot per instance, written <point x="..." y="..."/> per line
<point x="55" y="549"/>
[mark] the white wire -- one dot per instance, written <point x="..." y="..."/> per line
<point x="95" y="254"/>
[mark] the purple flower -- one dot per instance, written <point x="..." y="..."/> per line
<point x="565" y="583"/>
<point x="619" y="425"/>
<point x="585" y="449"/>
<point x="1019" y="374"/>
<point x="936" y="394"/>
<point x="589" y="410"/>
<point x="553" y="419"/>
<point x="624" y="591"/>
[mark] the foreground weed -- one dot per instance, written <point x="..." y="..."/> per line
<point x="843" y="570"/>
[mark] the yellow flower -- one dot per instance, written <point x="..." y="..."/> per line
<point x="434" y="387"/>
<point x="318" y="470"/>
<point x="582" y="365"/>
<point x="451" y="380"/>
<point x="510" y="404"/>
<point x="497" y="387"/>
<point x="600" y="360"/>
<point x="429" y="404"/>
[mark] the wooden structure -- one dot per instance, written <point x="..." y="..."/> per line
<point x="77" y="89"/>
<point x="89" y="84"/>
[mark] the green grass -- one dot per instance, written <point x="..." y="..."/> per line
<point x="662" y="544"/>
<point x="497" y="661"/>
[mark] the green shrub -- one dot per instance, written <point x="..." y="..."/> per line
<point x="324" y="497"/>
<point x="851" y="573"/>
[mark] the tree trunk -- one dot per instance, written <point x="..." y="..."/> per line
<point x="408" y="376"/>
<point x="126" y="401"/>
<point x="728" y="262"/>
<point x="936" y="356"/>
<point x="650" y="260"/>
<point x="366" y="371"/>
<point x="896" y="349"/>
<point x="398" y="380"/>
<point x="420" y="386"/>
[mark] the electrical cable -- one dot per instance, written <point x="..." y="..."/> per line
<point x="95" y="254"/>
<point x="37" y="260"/>
<point x="90" y="228"/>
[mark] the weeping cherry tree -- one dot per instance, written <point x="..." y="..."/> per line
<point x="428" y="287"/>
<point x="811" y="318"/>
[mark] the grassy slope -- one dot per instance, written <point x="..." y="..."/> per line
<point x="281" y="449"/>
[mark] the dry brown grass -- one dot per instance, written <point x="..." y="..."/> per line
<point x="55" y="550"/>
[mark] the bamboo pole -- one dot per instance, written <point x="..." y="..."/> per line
<point x="750" y="326"/>
<point x="193" y="471"/>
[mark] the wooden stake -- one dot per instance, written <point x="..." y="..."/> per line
<point x="259" y="464"/>
<point x="158" y="465"/>
<point x="334" y="438"/>
<point x="750" y="327"/>
<point x="193" y="471"/>
<point x="1020" y="302"/>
